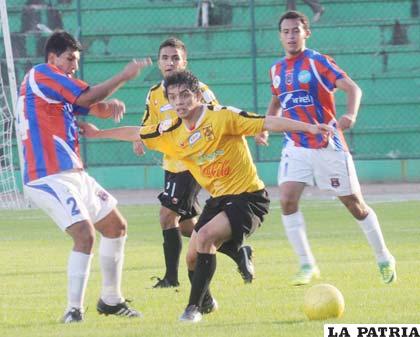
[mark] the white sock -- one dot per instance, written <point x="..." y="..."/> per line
<point x="78" y="269"/>
<point x="111" y="257"/>
<point x="295" y="227"/>
<point x="373" y="233"/>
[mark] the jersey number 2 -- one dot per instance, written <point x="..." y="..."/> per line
<point x="72" y="202"/>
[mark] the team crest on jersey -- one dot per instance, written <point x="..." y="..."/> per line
<point x="335" y="182"/>
<point x="194" y="138"/>
<point x="165" y="125"/>
<point x="208" y="133"/>
<point x="102" y="195"/>
<point x="276" y="81"/>
<point x="304" y="76"/>
<point x="289" y="77"/>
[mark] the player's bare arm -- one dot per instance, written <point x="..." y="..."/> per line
<point x="354" y="96"/>
<point x="113" y="108"/>
<point x="273" y="110"/>
<point x="124" y="133"/>
<point x="103" y="90"/>
<point x="281" y="124"/>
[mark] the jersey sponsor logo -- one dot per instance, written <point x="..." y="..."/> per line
<point x="276" y="81"/>
<point x="194" y="138"/>
<point x="208" y="132"/>
<point x="165" y="107"/>
<point x="208" y="158"/>
<point x="304" y="76"/>
<point x="289" y="77"/>
<point x="293" y="99"/>
<point x="216" y="170"/>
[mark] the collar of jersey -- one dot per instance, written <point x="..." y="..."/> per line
<point x="294" y="58"/>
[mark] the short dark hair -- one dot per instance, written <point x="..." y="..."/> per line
<point x="183" y="77"/>
<point x="295" y="15"/>
<point x="173" y="42"/>
<point x="59" y="42"/>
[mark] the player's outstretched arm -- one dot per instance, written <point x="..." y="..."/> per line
<point x="112" y="108"/>
<point x="105" y="89"/>
<point x="281" y="124"/>
<point x="125" y="133"/>
<point x="273" y="110"/>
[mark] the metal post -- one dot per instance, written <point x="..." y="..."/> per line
<point x="78" y="36"/>
<point x="205" y="5"/>
<point x="9" y="52"/>
<point x="254" y="55"/>
<point x="12" y="85"/>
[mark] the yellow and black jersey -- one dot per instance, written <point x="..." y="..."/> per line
<point x="215" y="152"/>
<point x="158" y="109"/>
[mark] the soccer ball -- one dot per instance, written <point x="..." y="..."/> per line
<point x="323" y="301"/>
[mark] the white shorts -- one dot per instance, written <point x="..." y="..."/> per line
<point x="69" y="197"/>
<point x="326" y="168"/>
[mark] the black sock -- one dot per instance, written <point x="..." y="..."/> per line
<point x="172" y="246"/>
<point x="202" y="275"/>
<point x="207" y="296"/>
<point x="229" y="248"/>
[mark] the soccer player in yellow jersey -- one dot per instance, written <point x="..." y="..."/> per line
<point x="179" y="205"/>
<point x="210" y="141"/>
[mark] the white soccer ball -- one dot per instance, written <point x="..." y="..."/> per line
<point x="323" y="301"/>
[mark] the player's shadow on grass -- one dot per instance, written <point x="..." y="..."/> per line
<point x="33" y="324"/>
<point x="32" y="273"/>
<point x="63" y="271"/>
<point x="253" y="324"/>
<point x="290" y="322"/>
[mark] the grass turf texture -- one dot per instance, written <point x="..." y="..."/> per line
<point x="33" y="255"/>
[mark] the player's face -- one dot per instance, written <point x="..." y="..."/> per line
<point x="67" y="62"/>
<point x="183" y="100"/>
<point x="171" y="60"/>
<point x="293" y="36"/>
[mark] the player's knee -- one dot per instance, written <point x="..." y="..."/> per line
<point x="87" y="243"/>
<point x="186" y="227"/>
<point x="289" y="206"/>
<point x="356" y="207"/>
<point x="205" y="240"/>
<point x="168" y="218"/>
<point x="191" y="258"/>
<point x="84" y="239"/>
<point x="120" y="227"/>
<point x="360" y="212"/>
<point x="116" y="228"/>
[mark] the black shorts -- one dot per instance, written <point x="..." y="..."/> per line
<point x="245" y="212"/>
<point x="180" y="194"/>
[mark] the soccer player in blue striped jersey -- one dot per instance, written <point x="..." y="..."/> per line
<point x="303" y="84"/>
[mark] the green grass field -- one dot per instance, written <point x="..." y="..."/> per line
<point x="34" y="252"/>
